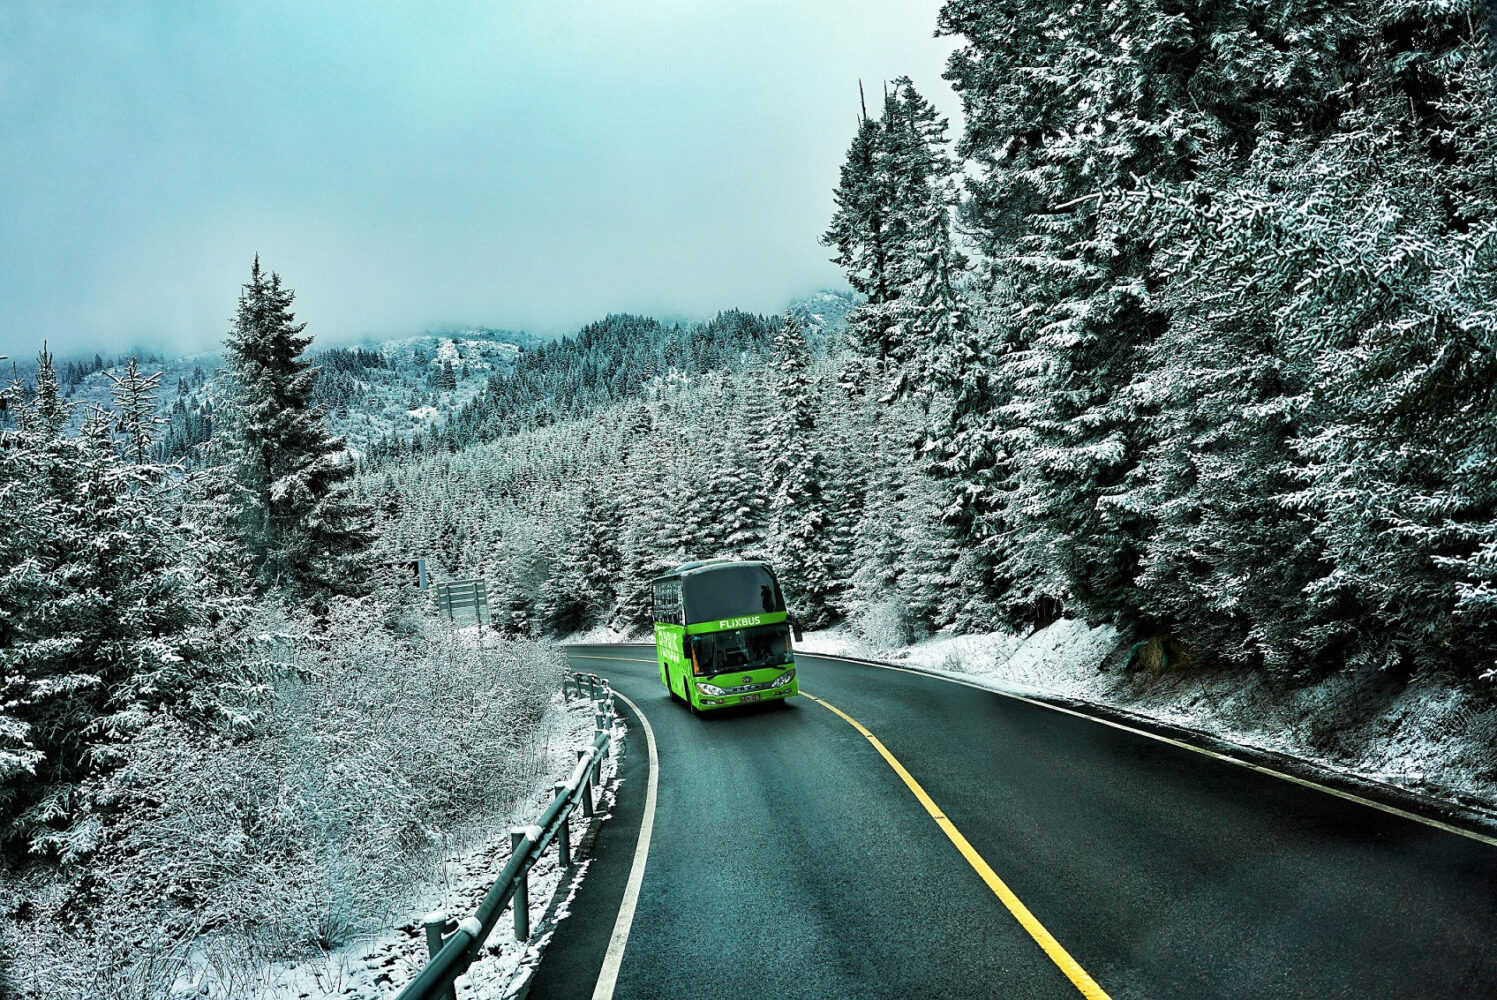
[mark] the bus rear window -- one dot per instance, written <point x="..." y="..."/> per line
<point x="730" y="592"/>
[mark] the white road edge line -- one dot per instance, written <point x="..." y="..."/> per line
<point x="608" y="975"/>
<point x="1292" y="779"/>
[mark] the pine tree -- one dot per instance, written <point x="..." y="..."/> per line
<point x="655" y="538"/>
<point x="107" y="617"/>
<point x="135" y="402"/>
<point x="896" y="166"/>
<point x="581" y="592"/>
<point x="1244" y="370"/>
<point x="877" y="557"/>
<point x="50" y="410"/>
<point x="799" y="518"/>
<point x="295" y="515"/>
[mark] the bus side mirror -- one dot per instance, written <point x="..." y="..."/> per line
<point x="795" y="631"/>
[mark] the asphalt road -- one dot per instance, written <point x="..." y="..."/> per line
<point x="789" y="859"/>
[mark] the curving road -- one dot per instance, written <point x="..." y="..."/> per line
<point x="790" y="858"/>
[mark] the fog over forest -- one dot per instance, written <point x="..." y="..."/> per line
<point x="530" y="167"/>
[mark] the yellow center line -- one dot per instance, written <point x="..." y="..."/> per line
<point x="1062" y="958"/>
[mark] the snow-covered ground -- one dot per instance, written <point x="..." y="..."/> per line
<point x="1429" y="737"/>
<point x="376" y="967"/>
<point x="603" y="635"/>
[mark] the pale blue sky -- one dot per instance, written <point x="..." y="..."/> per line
<point x="515" y="164"/>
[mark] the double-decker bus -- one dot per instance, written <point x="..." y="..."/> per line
<point x="722" y="635"/>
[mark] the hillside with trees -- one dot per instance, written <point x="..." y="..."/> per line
<point x="214" y="709"/>
<point x="1190" y="330"/>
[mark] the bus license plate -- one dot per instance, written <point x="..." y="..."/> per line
<point x="748" y="698"/>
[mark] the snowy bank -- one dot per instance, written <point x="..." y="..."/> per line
<point x="373" y="967"/>
<point x="1430" y="738"/>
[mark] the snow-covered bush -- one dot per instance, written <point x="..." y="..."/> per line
<point x="115" y="959"/>
<point x="372" y="747"/>
<point x="887" y="624"/>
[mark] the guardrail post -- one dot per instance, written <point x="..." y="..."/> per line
<point x="564" y="832"/>
<point x="437" y="927"/>
<point x="586" y="791"/>
<point x="518" y="835"/>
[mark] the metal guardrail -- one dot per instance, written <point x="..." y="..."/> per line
<point x="453" y="946"/>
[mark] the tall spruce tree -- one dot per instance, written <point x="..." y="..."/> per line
<point x="799" y="515"/>
<point x="295" y="515"/>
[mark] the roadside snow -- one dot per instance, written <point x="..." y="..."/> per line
<point x="604" y="635"/>
<point x="372" y="968"/>
<point x="1429" y="737"/>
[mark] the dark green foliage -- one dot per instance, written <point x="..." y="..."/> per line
<point x="616" y="359"/>
<point x="294" y="515"/>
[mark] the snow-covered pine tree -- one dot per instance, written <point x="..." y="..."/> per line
<point x="295" y="515"/>
<point x="135" y="402"/>
<point x="928" y="351"/>
<point x="107" y="618"/>
<point x="655" y="535"/>
<point x="581" y="591"/>
<point x="1228" y="559"/>
<point x="799" y="515"/>
<point x="22" y="468"/>
<point x="1047" y="207"/>
<point x="849" y="449"/>
<point x="743" y="473"/>
<point x="858" y="232"/>
<point x="871" y="601"/>
<point x="13" y="399"/>
<point x="1397" y="266"/>
<point x="710" y="508"/>
<point x="891" y="168"/>
<point x="49" y="408"/>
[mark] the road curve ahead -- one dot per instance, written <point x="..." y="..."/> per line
<point x="794" y="856"/>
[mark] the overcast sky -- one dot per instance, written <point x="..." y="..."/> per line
<point x="514" y="164"/>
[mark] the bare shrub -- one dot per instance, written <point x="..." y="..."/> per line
<point x="887" y="624"/>
<point x="112" y="958"/>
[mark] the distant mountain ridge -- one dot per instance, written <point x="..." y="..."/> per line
<point x="378" y="393"/>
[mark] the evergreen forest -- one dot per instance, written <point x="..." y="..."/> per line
<point x="1187" y="327"/>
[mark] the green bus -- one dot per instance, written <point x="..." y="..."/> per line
<point x="722" y="635"/>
